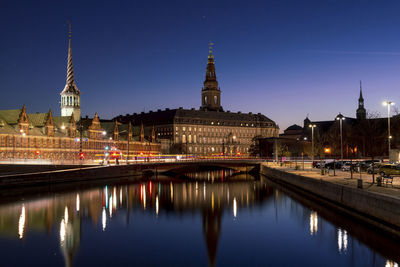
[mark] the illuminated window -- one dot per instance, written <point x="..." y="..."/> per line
<point x="215" y="99"/>
<point x="205" y="99"/>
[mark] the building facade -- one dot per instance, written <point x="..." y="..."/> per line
<point x="67" y="138"/>
<point x="207" y="130"/>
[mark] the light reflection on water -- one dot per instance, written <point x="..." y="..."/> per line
<point x="242" y="220"/>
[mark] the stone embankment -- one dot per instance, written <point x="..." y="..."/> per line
<point x="376" y="206"/>
<point x="76" y="174"/>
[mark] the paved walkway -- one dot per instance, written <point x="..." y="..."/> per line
<point x="344" y="178"/>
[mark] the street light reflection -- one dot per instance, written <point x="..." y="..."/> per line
<point x="77" y="202"/>
<point x="234" y="207"/>
<point x="62" y="231"/>
<point x="157" y="205"/>
<point x="342" y="240"/>
<point x="104" y="219"/>
<point x="313" y="223"/>
<point x="21" y="223"/>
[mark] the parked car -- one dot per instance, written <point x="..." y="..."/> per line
<point x="367" y="163"/>
<point x="317" y="164"/>
<point x="334" y="164"/>
<point x="348" y="165"/>
<point x="375" y="169"/>
<point x="389" y="169"/>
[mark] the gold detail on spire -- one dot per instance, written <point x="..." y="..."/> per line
<point x="210" y="48"/>
<point x="69" y="32"/>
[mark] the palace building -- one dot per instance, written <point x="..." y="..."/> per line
<point x="207" y="130"/>
<point x="68" y="137"/>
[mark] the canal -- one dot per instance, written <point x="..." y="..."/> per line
<point x="208" y="218"/>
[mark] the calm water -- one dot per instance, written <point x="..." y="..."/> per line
<point x="216" y="220"/>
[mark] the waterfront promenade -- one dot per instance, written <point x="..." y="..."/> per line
<point x="344" y="178"/>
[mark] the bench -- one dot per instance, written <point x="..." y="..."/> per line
<point x="388" y="179"/>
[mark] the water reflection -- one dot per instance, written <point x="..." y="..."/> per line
<point x="391" y="264"/>
<point x="217" y="202"/>
<point x="342" y="240"/>
<point x="313" y="223"/>
<point x="21" y="222"/>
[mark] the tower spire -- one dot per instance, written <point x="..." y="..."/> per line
<point x="70" y="95"/>
<point x="361" y="112"/>
<point x="211" y="93"/>
<point x="70" y="67"/>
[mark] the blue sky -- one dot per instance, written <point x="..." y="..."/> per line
<point x="285" y="59"/>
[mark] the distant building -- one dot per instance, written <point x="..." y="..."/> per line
<point x="363" y="136"/>
<point x="208" y="130"/>
<point x="62" y="138"/>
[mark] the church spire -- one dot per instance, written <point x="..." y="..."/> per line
<point x="361" y="112"/>
<point x="211" y="93"/>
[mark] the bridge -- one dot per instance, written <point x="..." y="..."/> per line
<point x="136" y="170"/>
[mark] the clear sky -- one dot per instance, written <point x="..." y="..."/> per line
<point x="283" y="58"/>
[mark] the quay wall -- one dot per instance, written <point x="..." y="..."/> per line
<point x="72" y="175"/>
<point x="377" y="209"/>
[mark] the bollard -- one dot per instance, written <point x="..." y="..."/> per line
<point x="359" y="183"/>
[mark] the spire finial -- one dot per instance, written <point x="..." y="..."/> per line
<point x="210" y="48"/>
<point x="69" y="26"/>
<point x="361" y="90"/>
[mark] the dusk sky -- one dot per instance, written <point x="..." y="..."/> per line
<point x="285" y="59"/>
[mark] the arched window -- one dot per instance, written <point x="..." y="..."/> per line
<point x="205" y="99"/>
<point x="215" y="99"/>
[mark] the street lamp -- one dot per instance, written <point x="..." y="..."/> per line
<point x="312" y="126"/>
<point x="341" y="118"/>
<point x="388" y="104"/>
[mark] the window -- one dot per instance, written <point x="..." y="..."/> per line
<point x="205" y="100"/>
<point x="183" y="128"/>
<point x="215" y="99"/>
<point x="183" y="138"/>
<point x="189" y="138"/>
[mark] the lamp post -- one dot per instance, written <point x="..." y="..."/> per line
<point x="312" y="126"/>
<point x="341" y="118"/>
<point x="127" y="144"/>
<point x="388" y="104"/>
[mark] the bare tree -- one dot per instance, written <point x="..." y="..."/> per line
<point x="371" y="137"/>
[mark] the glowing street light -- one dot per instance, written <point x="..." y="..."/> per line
<point x="388" y="104"/>
<point x="341" y="118"/>
<point x="312" y="126"/>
